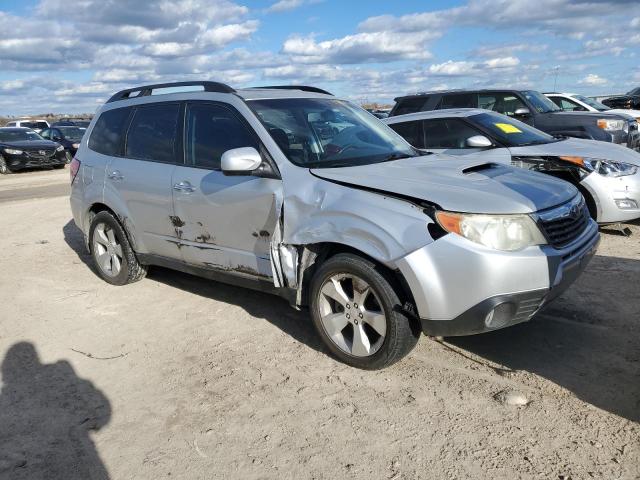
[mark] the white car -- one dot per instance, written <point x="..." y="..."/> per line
<point x="573" y="102"/>
<point x="36" y="124"/>
<point x="607" y="175"/>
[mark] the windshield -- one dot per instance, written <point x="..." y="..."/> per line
<point x="324" y="133"/>
<point x="18" y="135"/>
<point x="72" y="133"/>
<point x="592" y="103"/>
<point x="541" y="103"/>
<point x="510" y="132"/>
<point x="635" y="91"/>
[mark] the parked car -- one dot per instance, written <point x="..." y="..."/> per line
<point x="22" y="148"/>
<point x="573" y="102"/>
<point x="530" y="107"/>
<point x="68" y="137"/>
<point x="377" y="240"/>
<point x="629" y="101"/>
<point x="607" y="175"/>
<point x="72" y="123"/>
<point x="36" y="125"/>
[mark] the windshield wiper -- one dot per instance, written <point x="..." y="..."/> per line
<point x="400" y="156"/>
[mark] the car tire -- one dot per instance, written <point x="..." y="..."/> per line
<point x="113" y="258"/>
<point x="4" y="168"/>
<point x="371" y="335"/>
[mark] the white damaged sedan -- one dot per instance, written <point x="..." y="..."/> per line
<point x="607" y="175"/>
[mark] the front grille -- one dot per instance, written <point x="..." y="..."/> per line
<point x="562" y="225"/>
<point x="40" y="154"/>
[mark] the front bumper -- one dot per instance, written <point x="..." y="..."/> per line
<point x="614" y="197"/>
<point x="456" y="284"/>
<point x="24" y="160"/>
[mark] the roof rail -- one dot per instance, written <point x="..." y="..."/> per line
<point x="304" y="88"/>
<point x="146" y="90"/>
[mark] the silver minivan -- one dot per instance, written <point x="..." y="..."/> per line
<point x="292" y="191"/>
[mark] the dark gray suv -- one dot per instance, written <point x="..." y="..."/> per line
<point x="530" y="107"/>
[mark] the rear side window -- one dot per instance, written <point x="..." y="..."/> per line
<point x="411" y="132"/>
<point x="153" y="133"/>
<point x="459" y="100"/>
<point x="211" y="131"/>
<point x="409" y="105"/>
<point x="108" y="132"/>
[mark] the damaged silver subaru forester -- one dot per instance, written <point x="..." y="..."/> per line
<point x="292" y="191"/>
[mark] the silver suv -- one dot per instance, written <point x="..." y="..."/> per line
<point x="292" y="191"/>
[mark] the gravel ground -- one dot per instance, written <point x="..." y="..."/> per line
<point x="179" y="377"/>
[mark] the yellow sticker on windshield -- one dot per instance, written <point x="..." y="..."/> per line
<point x="508" y="128"/>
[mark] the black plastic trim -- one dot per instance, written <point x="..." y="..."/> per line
<point x="146" y="90"/>
<point x="304" y="88"/>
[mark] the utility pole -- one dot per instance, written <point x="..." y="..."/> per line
<point x="555" y="79"/>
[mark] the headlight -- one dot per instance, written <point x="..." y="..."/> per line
<point x="501" y="232"/>
<point x="606" y="168"/>
<point x="76" y="146"/>
<point x="60" y="148"/>
<point x="13" y="151"/>
<point x="611" y="125"/>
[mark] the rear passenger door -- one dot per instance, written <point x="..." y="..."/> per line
<point x="140" y="178"/>
<point x="227" y="221"/>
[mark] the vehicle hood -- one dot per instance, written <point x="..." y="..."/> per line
<point x="489" y="187"/>
<point x="577" y="147"/>
<point x="590" y="115"/>
<point x="30" y="144"/>
<point x="633" y="113"/>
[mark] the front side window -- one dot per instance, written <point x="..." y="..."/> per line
<point x="153" y="134"/>
<point x="211" y="131"/>
<point x="592" y="103"/>
<point x="46" y="133"/>
<point x="324" y="133"/>
<point x="569" y="105"/>
<point x="510" y="132"/>
<point x="108" y="132"/>
<point x="502" y="102"/>
<point x="449" y="133"/>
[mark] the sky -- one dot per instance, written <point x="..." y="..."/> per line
<point x="69" y="56"/>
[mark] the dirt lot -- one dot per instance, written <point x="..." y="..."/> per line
<point x="178" y="377"/>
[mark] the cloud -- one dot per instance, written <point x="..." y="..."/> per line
<point x="359" y="48"/>
<point x="593" y="80"/>
<point x="284" y="5"/>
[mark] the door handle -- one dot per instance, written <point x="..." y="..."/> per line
<point x="185" y="187"/>
<point x="116" y="175"/>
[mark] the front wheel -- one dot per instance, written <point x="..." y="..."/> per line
<point x="4" y="168"/>
<point x="357" y="313"/>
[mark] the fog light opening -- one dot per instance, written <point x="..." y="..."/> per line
<point x="500" y="315"/>
<point x="627" y="204"/>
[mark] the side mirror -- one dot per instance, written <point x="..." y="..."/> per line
<point x="56" y="138"/>
<point x="522" y="112"/>
<point x="479" y="141"/>
<point x="240" y="161"/>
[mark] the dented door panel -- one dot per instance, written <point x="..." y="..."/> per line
<point x="227" y="222"/>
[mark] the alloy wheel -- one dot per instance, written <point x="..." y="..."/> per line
<point x="352" y="315"/>
<point x="107" y="250"/>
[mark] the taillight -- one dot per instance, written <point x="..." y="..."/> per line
<point x="74" y="168"/>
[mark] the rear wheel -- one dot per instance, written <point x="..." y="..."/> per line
<point x="4" y="168"/>
<point x="357" y="313"/>
<point x="112" y="254"/>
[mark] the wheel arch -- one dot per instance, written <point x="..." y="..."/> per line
<point x="312" y="256"/>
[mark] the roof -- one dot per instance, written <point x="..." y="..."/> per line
<point x="445" y="113"/>
<point x="462" y="90"/>
<point x="274" y="91"/>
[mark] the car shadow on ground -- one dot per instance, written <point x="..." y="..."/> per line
<point x="46" y="414"/>
<point x="257" y="304"/>
<point x="587" y="341"/>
